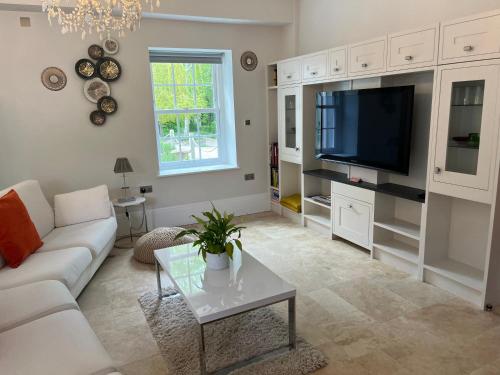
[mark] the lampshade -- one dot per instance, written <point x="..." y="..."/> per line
<point x="122" y="165"/>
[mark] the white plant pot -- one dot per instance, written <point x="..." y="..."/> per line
<point x="217" y="261"/>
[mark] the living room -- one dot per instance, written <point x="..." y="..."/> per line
<point x="264" y="187"/>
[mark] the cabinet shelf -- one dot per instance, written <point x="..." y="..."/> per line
<point x="456" y="145"/>
<point x="320" y="219"/>
<point x="459" y="272"/>
<point x="398" y="248"/>
<point x="274" y="188"/>
<point x="467" y="105"/>
<point x="401" y="227"/>
<point x="310" y="200"/>
<point x="272" y="87"/>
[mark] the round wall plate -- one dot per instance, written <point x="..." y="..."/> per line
<point x="96" y="52"/>
<point x="85" y="69"/>
<point x="95" y="89"/>
<point x="108" y="69"/>
<point x="249" y="60"/>
<point x="110" y="46"/>
<point x="54" y="78"/>
<point x="107" y="104"/>
<point x="97" y="118"/>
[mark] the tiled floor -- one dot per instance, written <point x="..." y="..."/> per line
<point x="368" y="318"/>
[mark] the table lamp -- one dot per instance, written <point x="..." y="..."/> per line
<point x="123" y="166"/>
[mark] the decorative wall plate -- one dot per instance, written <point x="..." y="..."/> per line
<point x="249" y="60"/>
<point x="107" y="105"/>
<point x="108" y="69"/>
<point x="95" y="89"/>
<point x="110" y="46"/>
<point x="54" y="78"/>
<point x="96" y="52"/>
<point x="97" y="118"/>
<point x="85" y="68"/>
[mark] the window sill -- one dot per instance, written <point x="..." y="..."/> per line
<point x="197" y="170"/>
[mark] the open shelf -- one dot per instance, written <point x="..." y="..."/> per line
<point x="273" y="188"/>
<point x="310" y="200"/>
<point x="320" y="219"/>
<point x="272" y="88"/>
<point x="401" y="227"/>
<point x="458" y="272"/>
<point x="398" y="248"/>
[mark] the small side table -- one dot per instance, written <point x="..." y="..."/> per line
<point x="125" y="205"/>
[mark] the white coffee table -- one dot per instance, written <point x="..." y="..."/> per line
<point x="214" y="295"/>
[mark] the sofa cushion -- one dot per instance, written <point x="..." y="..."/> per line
<point x="39" y="209"/>
<point x="81" y="206"/>
<point x="94" y="235"/>
<point x="61" y="343"/>
<point x="18" y="235"/>
<point x="65" y="266"/>
<point x="33" y="301"/>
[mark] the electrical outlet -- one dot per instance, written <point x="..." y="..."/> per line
<point x="248" y="122"/>
<point x="146" y="189"/>
<point x="249" y="176"/>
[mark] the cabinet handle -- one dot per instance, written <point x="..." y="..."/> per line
<point x="408" y="58"/>
<point x="468" y="48"/>
<point x="364" y="65"/>
<point x="437" y="170"/>
<point x="336" y="69"/>
<point x="289" y="76"/>
<point x="314" y="73"/>
<point x="349" y="206"/>
<point x="297" y="148"/>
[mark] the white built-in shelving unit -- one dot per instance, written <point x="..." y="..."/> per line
<point x="441" y="223"/>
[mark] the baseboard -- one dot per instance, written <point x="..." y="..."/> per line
<point x="181" y="215"/>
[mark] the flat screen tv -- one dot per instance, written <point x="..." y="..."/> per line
<point x="370" y="128"/>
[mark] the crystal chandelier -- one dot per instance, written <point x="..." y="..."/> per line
<point x="101" y="16"/>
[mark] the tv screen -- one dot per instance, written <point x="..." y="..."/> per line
<point x="369" y="128"/>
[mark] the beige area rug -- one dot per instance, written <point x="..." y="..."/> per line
<point x="227" y="341"/>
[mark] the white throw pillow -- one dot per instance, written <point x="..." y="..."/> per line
<point x="81" y="206"/>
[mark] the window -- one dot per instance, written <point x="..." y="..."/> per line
<point x="194" y="110"/>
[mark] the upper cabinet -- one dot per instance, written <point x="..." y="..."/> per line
<point x="413" y="49"/>
<point x="368" y="57"/>
<point x="315" y="67"/>
<point x="465" y="128"/>
<point x="338" y="63"/>
<point x="289" y="72"/>
<point x="472" y="38"/>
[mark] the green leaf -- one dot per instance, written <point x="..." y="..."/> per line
<point x="229" y="249"/>
<point x="238" y="243"/>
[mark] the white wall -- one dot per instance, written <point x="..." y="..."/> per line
<point x="255" y="11"/>
<point x="327" y="23"/>
<point x="48" y="136"/>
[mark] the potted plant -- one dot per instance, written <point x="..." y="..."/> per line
<point x="216" y="239"/>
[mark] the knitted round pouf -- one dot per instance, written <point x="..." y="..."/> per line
<point x="158" y="238"/>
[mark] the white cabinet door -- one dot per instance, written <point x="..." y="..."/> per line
<point x="289" y="72"/>
<point x="338" y="63"/>
<point x="466" y="121"/>
<point x="415" y="49"/>
<point x="290" y="123"/>
<point x="352" y="220"/>
<point x="368" y="57"/>
<point x="315" y="67"/>
<point x="472" y="38"/>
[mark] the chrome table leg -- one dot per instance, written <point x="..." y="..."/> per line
<point x="203" y="362"/>
<point x="158" y="280"/>
<point x="291" y="323"/>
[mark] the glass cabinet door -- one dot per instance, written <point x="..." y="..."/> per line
<point x="290" y="121"/>
<point x="466" y="126"/>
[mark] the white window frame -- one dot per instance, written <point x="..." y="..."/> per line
<point x="223" y="111"/>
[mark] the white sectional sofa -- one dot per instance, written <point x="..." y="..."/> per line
<point x="42" y="330"/>
<point x="70" y="254"/>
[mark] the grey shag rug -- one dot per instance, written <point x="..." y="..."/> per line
<point x="231" y="340"/>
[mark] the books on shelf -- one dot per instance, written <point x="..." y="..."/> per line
<point x="275" y="196"/>
<point x="273" y="155"/>
<point x="274" y="177"/>
<point x="323" y="199"/>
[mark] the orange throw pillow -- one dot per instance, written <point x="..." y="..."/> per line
<point x="18" y="235"/>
